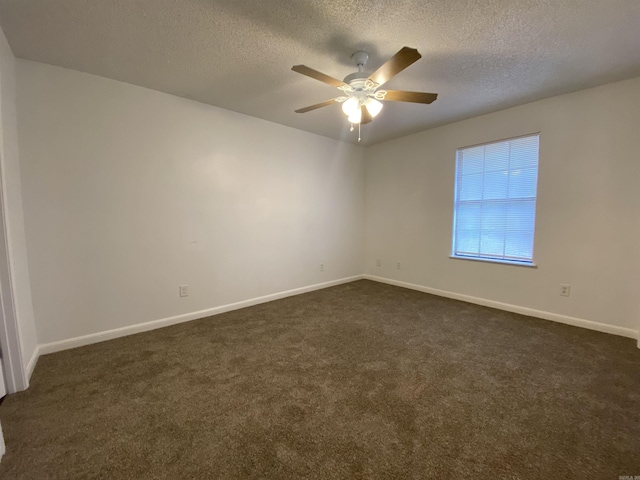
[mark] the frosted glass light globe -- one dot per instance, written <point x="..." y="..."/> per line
<point x="350" y="106"/>
<point x="373" y="106"/>
<point x="356" y="116"/>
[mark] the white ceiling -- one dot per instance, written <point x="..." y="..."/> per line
<point x="479" y="56"/>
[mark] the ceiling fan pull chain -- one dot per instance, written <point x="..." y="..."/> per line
<point x="359" y="133"/>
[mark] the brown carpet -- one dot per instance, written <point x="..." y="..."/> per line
<point x="363" y="380"/>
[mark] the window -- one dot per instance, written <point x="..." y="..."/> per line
<point x="495" y="201"/>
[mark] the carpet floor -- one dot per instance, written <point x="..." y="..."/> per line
<point x="361" y="381"/>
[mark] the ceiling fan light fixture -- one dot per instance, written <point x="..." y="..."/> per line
<point x="373" y="106"/>
<point x="351" y="106"/>
<point x="361" y="92"/>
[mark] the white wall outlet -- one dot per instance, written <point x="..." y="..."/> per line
<point x="565" y="290"/>
<point x="184" y="290"/>
<point x="322" y="267"/>
<point x="378" y="263"/>
<point x="398" y="265"/>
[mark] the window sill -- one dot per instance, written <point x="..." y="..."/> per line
<point x="493" y="260"/>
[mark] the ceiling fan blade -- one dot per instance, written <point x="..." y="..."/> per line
<point x="317" y="105"/>
<point x="310" y="72"/>
<point x="415" y="97"/>
<point x="366" y="116"/>
<point x="401" y="60"/>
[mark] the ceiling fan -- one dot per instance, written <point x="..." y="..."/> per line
<point x="361" y="99"/>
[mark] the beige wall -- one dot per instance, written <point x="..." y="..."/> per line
<point x="588" y="210"/>
<point x="129" y="193"/>
<point x="16" y="290"/>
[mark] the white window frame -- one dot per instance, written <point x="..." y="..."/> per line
<point x="488" y="258"/>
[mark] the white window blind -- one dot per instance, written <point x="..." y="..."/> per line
<point x="495" y="200"/>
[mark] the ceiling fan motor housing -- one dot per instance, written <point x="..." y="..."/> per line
<point x="356" y="80"/>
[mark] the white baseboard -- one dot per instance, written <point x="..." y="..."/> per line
<point x="32" y="362"/>
<point x="165" y="322"/>
<point x="576" y="322"/>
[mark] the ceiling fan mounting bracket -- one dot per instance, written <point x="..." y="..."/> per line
<point x="360" y="58"/>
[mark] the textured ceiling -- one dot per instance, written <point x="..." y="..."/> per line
<point x="480" y="56"/>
